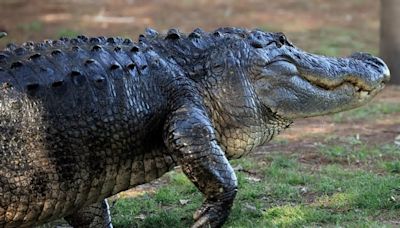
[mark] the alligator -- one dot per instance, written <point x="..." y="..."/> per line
<point x="82" y="119"/>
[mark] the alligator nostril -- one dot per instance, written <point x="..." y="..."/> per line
<point x="379" y="62"/>
<point x="375" y="62"/>
<point x="282" y="39"/>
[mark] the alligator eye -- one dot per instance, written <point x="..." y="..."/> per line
<point x="282" y="39"/>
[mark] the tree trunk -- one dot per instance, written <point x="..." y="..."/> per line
<point x="390" y="37"/>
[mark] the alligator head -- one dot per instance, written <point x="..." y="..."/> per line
<point x="295" y="84"/>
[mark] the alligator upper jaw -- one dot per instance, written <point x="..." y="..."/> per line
<point x="362" y="70"/>
<point x="365" y="73"/>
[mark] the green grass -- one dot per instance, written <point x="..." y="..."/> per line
<point x="342" y="41"/>
<point x="34" y="26"/>
<point x="352" y="151"/>
<point x="335" y="41"/>
<point x="65" y="32"/>
<point x="392" y="166"/>
<point x="162" y="209"/>
<point x="287" y="193"/>
<point x="372" y="110"/>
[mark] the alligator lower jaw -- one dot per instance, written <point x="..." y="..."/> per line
<point x="366" y="94"/>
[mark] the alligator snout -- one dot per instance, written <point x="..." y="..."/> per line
<point x="376" y="63"/>
<point x="362" y="70"/>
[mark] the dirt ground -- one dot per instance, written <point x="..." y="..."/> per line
<point x="42" y="19"/>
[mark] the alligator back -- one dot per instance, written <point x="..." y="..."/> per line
<point x="80" y="121"/>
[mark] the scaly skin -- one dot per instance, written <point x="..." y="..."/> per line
<point x="84" y="119"/>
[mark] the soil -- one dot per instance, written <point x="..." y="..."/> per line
<point x="43" y="19"/>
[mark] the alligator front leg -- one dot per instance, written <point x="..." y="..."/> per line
<point x="190" y="137"/>
<point x="94" y="215"/>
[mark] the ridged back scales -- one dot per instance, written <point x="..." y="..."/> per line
<point x="80" y="120"/>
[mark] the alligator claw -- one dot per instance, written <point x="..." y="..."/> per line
<point x="212" y="214"/>
<point x="204" y="222"/>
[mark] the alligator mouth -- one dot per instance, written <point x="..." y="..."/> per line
<point x="359" y="88"/>
<point x="330" y="85"/>
<point x="366" y="74"/>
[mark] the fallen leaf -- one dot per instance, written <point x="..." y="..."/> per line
<point x="303" y="190"/>
<point x="397" y="140"/>
<point x="183" y="202"/>
<point x="252" y="178"/>
<point x="250" y="207"/>
<point x="141" y="217"/>
<point x="238" y="168"/>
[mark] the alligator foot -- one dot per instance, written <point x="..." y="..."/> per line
<point x="95" y="215"/>
<point x="214" y="213"/>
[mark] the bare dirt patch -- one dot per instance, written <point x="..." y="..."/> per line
<point x="42" y="19"/>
